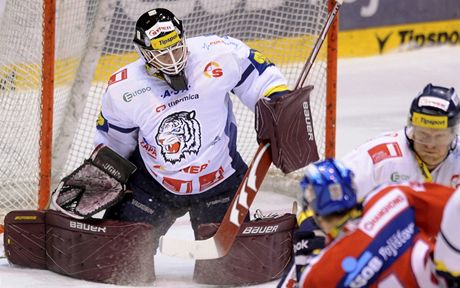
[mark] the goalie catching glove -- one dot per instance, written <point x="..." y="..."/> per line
<point x="286" y="123"/>
<point x="94" y="186"/>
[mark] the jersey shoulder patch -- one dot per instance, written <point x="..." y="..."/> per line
<point x="384" y="151"/>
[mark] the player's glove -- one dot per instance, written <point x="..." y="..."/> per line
<point x="94" y="186"/>
<point x="306" y="245"/>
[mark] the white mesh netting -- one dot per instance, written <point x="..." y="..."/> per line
<point x="93" y="39"/>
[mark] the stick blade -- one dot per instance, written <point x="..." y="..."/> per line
<point x="190" y="249"/>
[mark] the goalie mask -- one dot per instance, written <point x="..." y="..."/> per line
<point x="160" y="41"/>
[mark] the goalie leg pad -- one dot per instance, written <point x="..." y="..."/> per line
<point x="24" y="238"/>
<point x="261" y="252"/>
<point x="107" y="251"/>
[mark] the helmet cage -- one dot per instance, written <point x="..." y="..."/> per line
<point x="160" y="41"/>
<point x="177" y="57"/>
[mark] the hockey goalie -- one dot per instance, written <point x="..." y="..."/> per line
<point x="167" y="150"/>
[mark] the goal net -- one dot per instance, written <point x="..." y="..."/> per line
<point x="93" y="38"/>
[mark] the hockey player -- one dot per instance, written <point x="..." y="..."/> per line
<point x="427" y="149"/>
<point x="387" y="241"/>
<point x="170" y="114"/>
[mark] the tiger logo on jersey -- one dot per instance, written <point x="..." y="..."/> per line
<point x="179" y="133"/>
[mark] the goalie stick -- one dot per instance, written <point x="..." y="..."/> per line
<point x="219" y="245"/>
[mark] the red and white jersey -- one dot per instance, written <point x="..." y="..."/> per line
<point x="187" y="139"/>
<point x="389" y="159"/>
<point x="389" y="246"/>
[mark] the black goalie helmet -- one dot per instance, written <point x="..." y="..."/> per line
<point x="160" y="41"/>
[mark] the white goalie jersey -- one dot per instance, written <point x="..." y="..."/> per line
<point x="388" y="159"/>
<point x="187" y="139"/>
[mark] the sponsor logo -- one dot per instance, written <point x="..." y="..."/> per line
<point x="260" y="229"/>
<point x="160" y="108"/>
<point x="433" y="102"/>
<point x="141" y="206"/>
<point x="211" y="179"/>
<point x="425" y="39"/>
<point x="218" y="201"/>
<point x="300" y="245"/>
<point x="429" y="121"/>
<point x="306" y="113"/>
<point x="194" y="169"/>
<point x="213" y="70"/>
<point x="383" y="212"/>
<point x="159" y="28"/>
<point x="87" y="227"/>
<point x="183" y="99"/>
<point x="170" y="92"/>
<point x="111" y="170"/>
<point x="360" y="271"/>
<point x="396" y="177"/>
<point x="128" y="96"/>
<point x="151" y="150"/>
<point x="166" y="41"/>
<point x="119" y="76"/>
<point x="411" y="39"/>
<point x="396" y="241"/>
<point x="384" y="151"/>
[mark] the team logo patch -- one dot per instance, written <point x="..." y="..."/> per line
<point x="384" y="151"/>
<point x="213" y="70"/>
<point x="119" y="76"/>
<point x="259" y="61"/>
<point x="101" y="123"/>
<point x="178" y="134"/>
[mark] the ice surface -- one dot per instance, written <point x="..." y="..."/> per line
<point x="374" y="94"/>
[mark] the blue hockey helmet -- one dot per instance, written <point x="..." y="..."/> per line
<point x="328" y="188"/>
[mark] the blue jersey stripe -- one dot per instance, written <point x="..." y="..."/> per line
<point x="123" y="130"/>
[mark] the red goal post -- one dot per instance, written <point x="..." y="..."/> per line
<point x="57" y="56"/>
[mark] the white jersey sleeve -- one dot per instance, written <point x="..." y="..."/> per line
<point x="114" y="128"/>
<point x="382" y="160"/>
<point x="259" y="76"/>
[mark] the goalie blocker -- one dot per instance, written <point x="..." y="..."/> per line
<point x="107" y="251"/>
<point x="261" y="252"/>
<point x="286" y="123"/>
